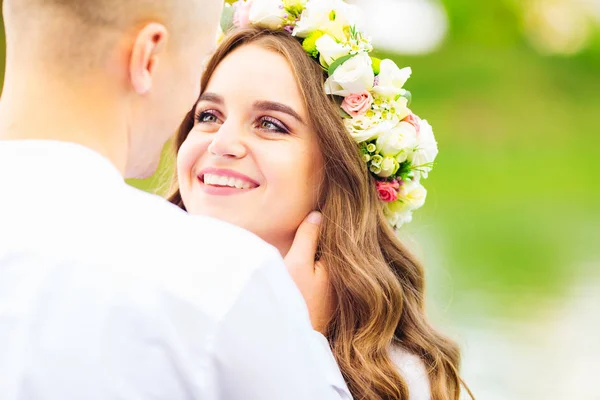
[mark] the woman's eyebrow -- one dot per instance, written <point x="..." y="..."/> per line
<point x="264" y="105"/>
<point x="212" y="97"/>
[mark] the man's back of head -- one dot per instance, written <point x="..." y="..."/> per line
<point x="130" y="68"/>
<point x="78" y="35"/>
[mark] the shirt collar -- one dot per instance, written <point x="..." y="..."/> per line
<point x="56" y="159"/>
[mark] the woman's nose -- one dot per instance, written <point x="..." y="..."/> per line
<point x="228" y="141"/>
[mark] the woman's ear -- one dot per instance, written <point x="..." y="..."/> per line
<point x="149" y="44"/>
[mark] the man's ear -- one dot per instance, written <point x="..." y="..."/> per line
<point x="149" y="43"/>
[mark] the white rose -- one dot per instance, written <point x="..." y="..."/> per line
<point x="426" y="150"/>
<point x="397" y="207"/>
<point x="328" y="16"/>
<point x="413" y="194"/>
<point x="391" y="79"/>
<point x="397" y="142"/>
<point x="355" y="75"/>
<point x="330" y="50"/>
<point x="365" y="128"/>
<point x="314" y="17"/>
<point x="267" y="13"/>
<point x="389" y="166"/>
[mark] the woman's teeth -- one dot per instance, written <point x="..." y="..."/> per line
<point x="218" y="180"/>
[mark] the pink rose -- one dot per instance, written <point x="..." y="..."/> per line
<point x="388" y="191"/>
<point x="357" y="104"/>
<point x="414" y="121"/>
<point x="241" y="17"/>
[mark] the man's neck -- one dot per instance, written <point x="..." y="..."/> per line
<point x="38" y="108"/>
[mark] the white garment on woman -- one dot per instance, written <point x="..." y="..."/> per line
<point x="107" y="292"/>
<point x="413" y="370"/>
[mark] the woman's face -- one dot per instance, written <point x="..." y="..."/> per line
<point x="252" y="158"/>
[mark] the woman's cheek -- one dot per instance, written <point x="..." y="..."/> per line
<point x="292" y="176"/>
<point x="188" y="155"/>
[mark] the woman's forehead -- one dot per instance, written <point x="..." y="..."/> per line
<point x="252" y="72"/>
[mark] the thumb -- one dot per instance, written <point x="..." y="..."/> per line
<point x="304" y="248"/>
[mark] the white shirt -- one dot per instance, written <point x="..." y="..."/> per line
<point x="413" y="370"/>
<point x="107" y="292"/>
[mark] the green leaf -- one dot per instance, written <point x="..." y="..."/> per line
<point x="337" y="63"/>
<point x="310" y="43"/>
<point x="343" y="113"/>
<point x="227" y="18"/>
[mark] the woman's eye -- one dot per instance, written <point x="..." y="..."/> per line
<point x="271" y="125"/>
<point x="206" y="117"/>
<point x="268" y="125"/>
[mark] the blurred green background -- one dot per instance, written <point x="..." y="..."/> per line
<point x="510" y="234"/>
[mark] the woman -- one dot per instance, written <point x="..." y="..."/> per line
<point x="265" y="145"/>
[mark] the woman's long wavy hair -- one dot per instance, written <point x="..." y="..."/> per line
<point x="378" y="283"/>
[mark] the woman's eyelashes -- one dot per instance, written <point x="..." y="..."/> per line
<point x="264" y="123"/>
<point x="206" y="117"/>
<point x="271" y="124"/>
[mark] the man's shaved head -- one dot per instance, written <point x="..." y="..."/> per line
<point x="108" y="71"/>
<point x="78" y="34"/>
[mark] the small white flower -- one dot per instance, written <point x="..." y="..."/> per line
<point x="330" y="50"/>
<point x="391" y="79"/>
<point x="397" y="207"/>
<point x="267" y="13"/>
<point x="328" y="16"/>
<point x="400" y="107"/>
<point x="389" y="166"/>
<point x="392" y="217"/>
<point x="404" y="218"/>
<point x="355" y="75"/>
<point x="297" y="4"/>
<point x="413" y="194"/>
<point x="426" y="150"/>
<point x="398" y="142"/>
<point x="396" y="214"/>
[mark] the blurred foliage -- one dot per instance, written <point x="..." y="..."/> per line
<point x="514" y="198"/>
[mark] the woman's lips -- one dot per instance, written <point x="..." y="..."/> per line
<point x="223" y="182"/>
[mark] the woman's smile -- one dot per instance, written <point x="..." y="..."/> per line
<point x="225" y="182"/>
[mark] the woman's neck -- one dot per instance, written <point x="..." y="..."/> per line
<point x="281" y="243"/>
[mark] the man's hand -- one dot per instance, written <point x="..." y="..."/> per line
<point x="311" y="277"/>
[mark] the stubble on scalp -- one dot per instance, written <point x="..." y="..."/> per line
<point x="79" y="35"/>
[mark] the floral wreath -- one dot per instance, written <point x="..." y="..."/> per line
<point x="398" y="147"/>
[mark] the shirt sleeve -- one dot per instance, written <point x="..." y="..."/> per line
<point x="266" y="348"/>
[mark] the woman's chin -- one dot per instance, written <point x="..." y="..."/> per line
<point x="279" y="238"/>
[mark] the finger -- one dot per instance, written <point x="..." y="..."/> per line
<point x="303" y="250"/>
<point x="321" y="279"/>
<point x="326" y="298"/>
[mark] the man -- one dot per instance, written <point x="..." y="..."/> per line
<point x="110" y="293"/>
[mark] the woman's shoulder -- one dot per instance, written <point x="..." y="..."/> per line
<point x="413" y="370"/>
